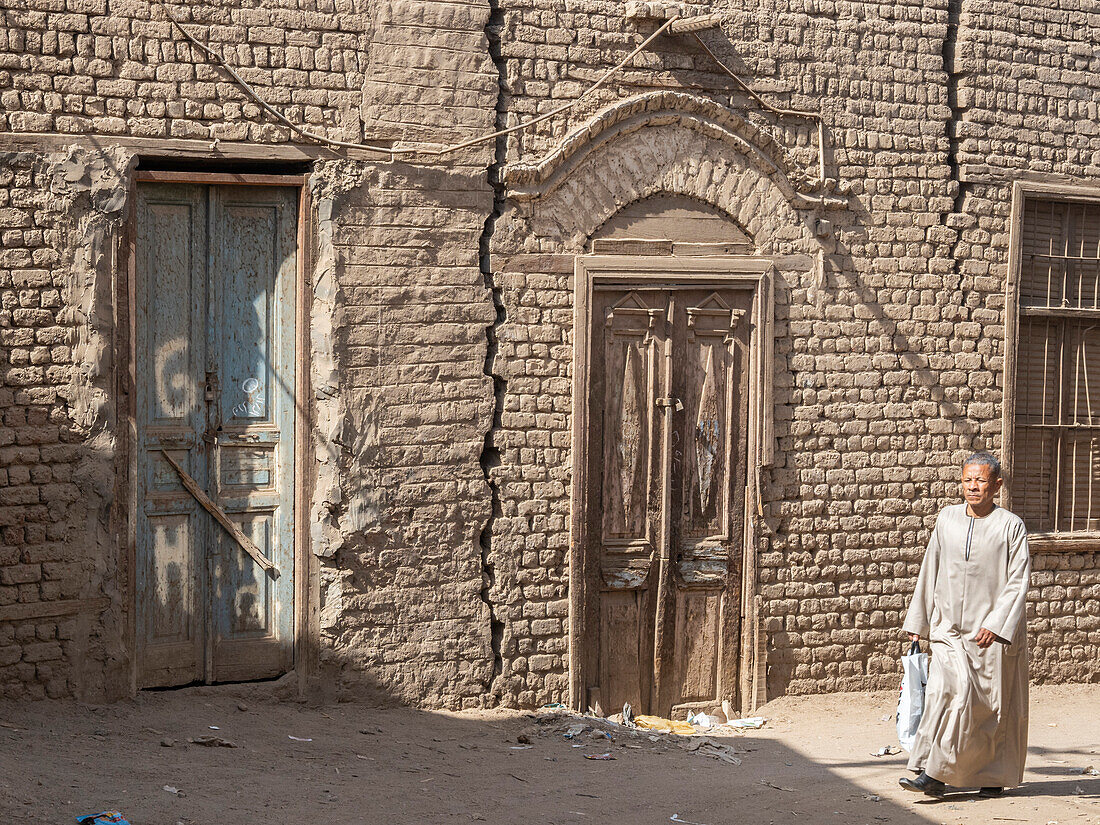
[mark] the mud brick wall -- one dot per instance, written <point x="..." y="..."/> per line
<point x="77" y="67"/>
<point x="52" y="582"/>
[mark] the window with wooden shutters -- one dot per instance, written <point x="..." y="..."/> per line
<point x="1056" y="438"/>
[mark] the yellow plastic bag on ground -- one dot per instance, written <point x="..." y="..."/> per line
<point x="662" y="725"/>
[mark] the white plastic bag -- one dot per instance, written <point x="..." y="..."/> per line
<point x="914" y="676"/>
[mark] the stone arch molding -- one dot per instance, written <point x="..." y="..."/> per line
<point x="672" y="160"/>
<point x="529" y="181"/>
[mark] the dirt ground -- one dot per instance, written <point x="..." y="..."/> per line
<point x="811" y="763"/>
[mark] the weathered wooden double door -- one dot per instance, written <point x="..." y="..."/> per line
<point x="667" y="447"/>
<point x="214" y="368"/>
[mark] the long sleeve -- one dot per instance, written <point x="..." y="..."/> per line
<point x="920" y="608"/>
<point x="1008" y="610"/>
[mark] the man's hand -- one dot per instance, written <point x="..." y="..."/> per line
<point x="914" y="637"/>
<point x="985" y="638"/>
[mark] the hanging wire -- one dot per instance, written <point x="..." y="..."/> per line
<point x="411" y="150"/>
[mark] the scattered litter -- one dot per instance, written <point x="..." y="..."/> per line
<point x="298" y="739"/>
<point x="1052" y="724"/>
<point x="172" y="790"/>
<point x="14" y="728"/>
<point x="676" y="818"/>
<point x="574" y="730"/>
<point x="749" y="722"/>
<point x="662" y="725"/>
<point x="887" y="717"/>
<point x="214" y="727"/>
<point x="701" y="720"/>
<point x="552" y="706"/>
<point x="705" y="746"/>
<point x="872" y="797"/>
<point x="603" y="757"/>
<point x="521" y="747"/>
<point x="1078" y="790"/>
<point x="628" y="715"/>
<point x="771" y="784"/>
<point x="1090" y="771"/>
<point x="212" y="742"/>
<point x="887" y="750"/>
<point x="103" y="818"/>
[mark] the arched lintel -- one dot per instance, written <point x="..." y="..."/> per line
<point x="528" y="181"/>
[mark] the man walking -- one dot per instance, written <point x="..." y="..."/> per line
<point x="970" y="602"/>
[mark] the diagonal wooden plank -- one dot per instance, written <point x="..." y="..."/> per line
<point x="221" y="517"/>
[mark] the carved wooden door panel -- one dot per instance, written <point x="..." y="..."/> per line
<point x="667" y="446"/>
<point x="699" y="616"/>
<point x="215" y="277"/>
<point x="629" y="334"/>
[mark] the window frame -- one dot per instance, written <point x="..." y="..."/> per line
<point x="1060" y="541"/>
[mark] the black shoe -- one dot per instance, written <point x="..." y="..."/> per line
<point x="923" y="784"/>
<point x="990" y="793"/>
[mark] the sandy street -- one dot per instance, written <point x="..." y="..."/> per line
<point x="812" y="763"/>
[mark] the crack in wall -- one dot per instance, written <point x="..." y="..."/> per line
<point x="490" y="454"/>
<point x="956" y="218"/>
<point x="950" y="67"/>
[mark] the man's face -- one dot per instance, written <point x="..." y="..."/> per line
<point x="979" y="486"/>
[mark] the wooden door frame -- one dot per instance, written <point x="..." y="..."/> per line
<point x="725" y="271"/>
<point x="306" y="571"/>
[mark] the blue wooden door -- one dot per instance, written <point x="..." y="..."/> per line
<point x="215" y="374"/>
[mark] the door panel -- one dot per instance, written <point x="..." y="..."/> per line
<point x="626" y="496"/>
<point x="216" y="269"/>
<point x="668" y="391"/>
<point x="171" y="531"/>
<point x="709" y="376"/>
<point x="253" y="327"/>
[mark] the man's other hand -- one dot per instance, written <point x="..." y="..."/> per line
<point x="985" y="638"/>
<point x="914" y="637"/>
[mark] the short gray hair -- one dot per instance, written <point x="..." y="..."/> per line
<point x="985" y="459"/>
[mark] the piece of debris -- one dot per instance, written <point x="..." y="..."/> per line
<point x="873" y="797"/>
<point x="172" y="790"/>
<point x="604" y="757"/>
<point x="212" y="742"/>
<point x="887" y="750"/>
<point x="701" y="720"/>
<point x="103" y="818"/>
<point x="242" y="707"/>
<point x="575" y="730"/>
<point x="523" y="739"/>
<point x="748" y="723"/>
<point x="771" y="784"/>
<point x="1090" y="771"/>
<point x="213" y="727"/>
<point x="167" y="742"/>
<point x="662" y="725"/>
<point x="298" y="738"/>
<point x="676" y="818"/>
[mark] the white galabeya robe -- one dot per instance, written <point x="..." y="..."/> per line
<point x="975" y="574"/>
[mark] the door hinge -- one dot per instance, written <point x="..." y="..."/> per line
<point x="675" y="403"/>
